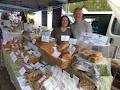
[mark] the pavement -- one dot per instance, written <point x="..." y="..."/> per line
<point x="5" y="83"/>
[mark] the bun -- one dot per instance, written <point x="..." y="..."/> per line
<point x="63" y="46"/>
<point x="67" y="56"/>
<point x="96" y="57"/>
<point x="33" y="76"/>
<point x="33" y="59"/>
<point x="47" y="47"/>
<point x="66" y="60"/>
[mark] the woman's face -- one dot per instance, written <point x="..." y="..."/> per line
<point x="64" y="22"/>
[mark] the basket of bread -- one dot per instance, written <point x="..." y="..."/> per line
<point x="57" y="54"/>
<point x="91" y="55"/>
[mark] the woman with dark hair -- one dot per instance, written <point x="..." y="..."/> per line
<point x="63" y="29"/>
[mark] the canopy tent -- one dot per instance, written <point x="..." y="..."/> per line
<point x="34" y="5"/>
<point x="8" y="7"/>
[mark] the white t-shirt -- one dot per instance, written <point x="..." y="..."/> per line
<point x="78" y="28"/>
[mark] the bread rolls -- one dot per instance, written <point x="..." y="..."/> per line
<point x="48" y="48"/>
<point x="33" y="76"/>
<point x="63" y="46"/>
<point x="33" y="59"/>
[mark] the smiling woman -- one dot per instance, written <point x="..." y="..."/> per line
<point x="63" y="29"/>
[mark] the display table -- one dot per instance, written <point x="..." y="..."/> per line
<point x="12" y="70"/>
<point x="104" y="68"/>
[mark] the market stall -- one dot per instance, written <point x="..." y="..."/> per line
<point x="35" y="62"/>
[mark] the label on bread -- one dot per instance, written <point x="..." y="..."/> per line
<point x="56" y="53"/>
<point x="22" y="54"/>
<point x="71" y="49"/>
<point x="42" y="79"/>
<point x="32" y="65"/>
<point x="22" y="71"/>
<point x="34" y="41"/>
<point x="23" y="83"/>
<point x="45" y="38"/>
<point x="26" y="58"/>
<point x="32" y="46"/>
<point x="66" y="73"/>
<point x="72" y="41"/>
<point x="37" y="65"/>
<point x="65" y="37"/>
<point x="29" y="67"/>
<point x="48" y="84"/>
<point x="42" y="69"/>
<point x="75" y="79"/>
<point x="37" y="53"/>
<point x="13" y="56"/>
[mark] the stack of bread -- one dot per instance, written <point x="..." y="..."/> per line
<point x="86" y="84"/>
<point x="33" y="59"/>
<point x="47" y="48"/>
<point x="96" y="57"/>
<point x="40" y="43"/>
<point x="19" y="63"/>
<point x="92" y="56"/>
<point x="66" y="56"/>
<point x="8" y="46"/>
<point x="38" y="85"/>
<point x="34" y="75"/>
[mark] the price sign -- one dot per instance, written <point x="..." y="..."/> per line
<point x="73" y="41"/>
<point x="22" y="71"/>
<point x="71" y="49"/>
<point x="13" y="56"/>
<point x="26" y="59"/>
<point x="45" y="38"/>
<point x="95" y="39"/>
<point x="65" y="38"/>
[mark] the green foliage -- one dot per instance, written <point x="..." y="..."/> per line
<point x="91" y="5"/>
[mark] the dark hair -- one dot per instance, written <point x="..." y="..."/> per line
<point x="62" y="18"/>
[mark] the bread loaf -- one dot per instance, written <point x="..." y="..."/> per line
<point x="66" y="60"/>
<point x="33" y="76"/>
<point x="95" y="57"/>
<point x="47" y="47"/>
<point x="33" y="59"/>
<point x="63" y="46"/>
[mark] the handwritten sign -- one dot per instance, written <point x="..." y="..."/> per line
<point x="45" y="38"/>
<point x="65" y="38"/>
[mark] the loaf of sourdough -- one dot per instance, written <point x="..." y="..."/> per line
<point x="47" y="47"/>
<point x="66" y="60"/>
<point x="33" y="76"/>
<point x="96" y="57"/>
<point x="33" y="59"/>
<point x="63" y="46"/>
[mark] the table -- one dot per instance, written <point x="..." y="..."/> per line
<point x="13" y="72"/>
<point x="104" y="68"/>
